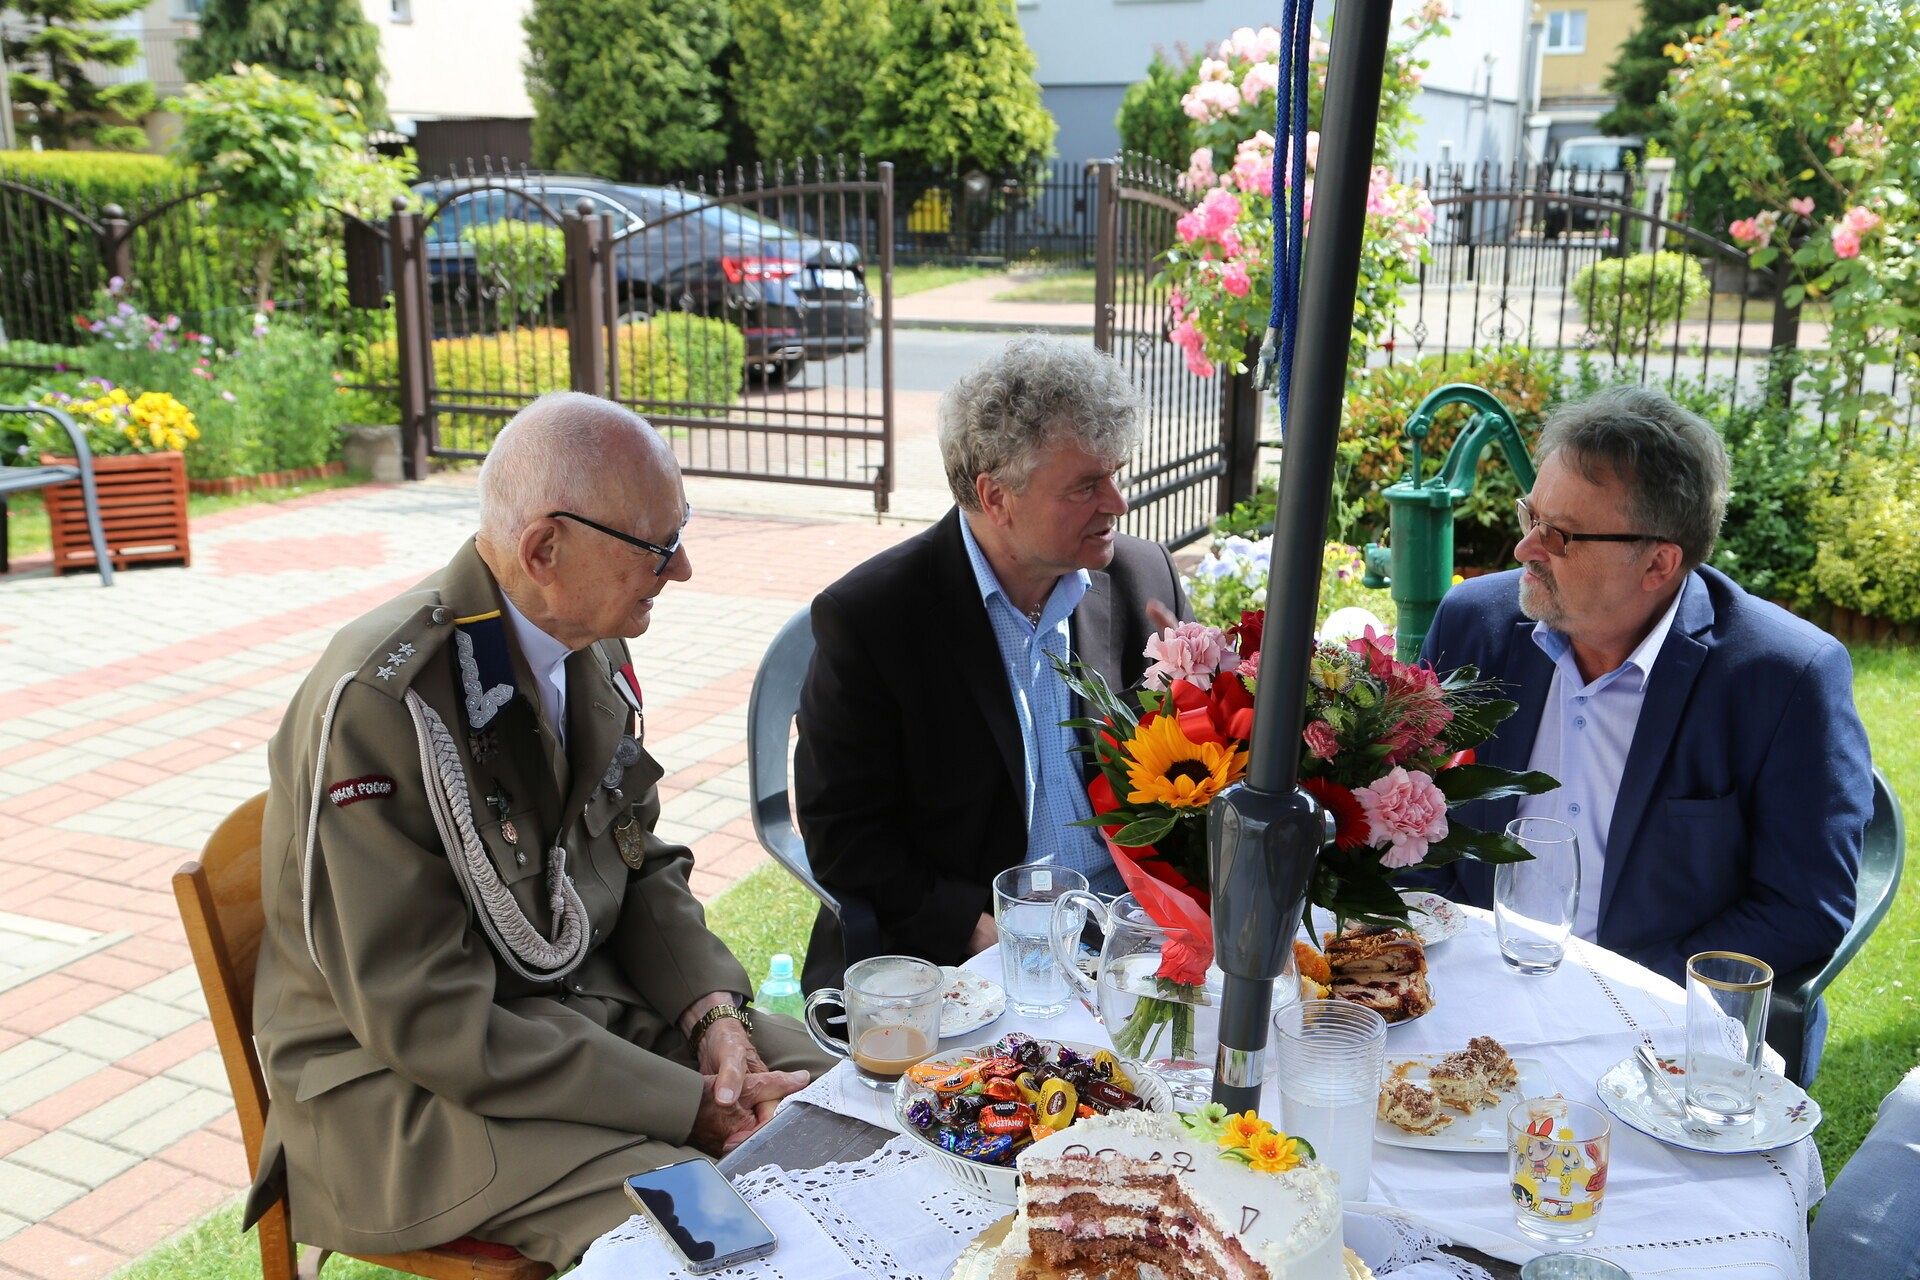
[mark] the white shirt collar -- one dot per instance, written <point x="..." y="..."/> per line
<point x="547" y="659"/>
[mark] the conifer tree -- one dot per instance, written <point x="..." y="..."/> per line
<point x="48" y="44"/>
<point x="327" y="45"/>
<point x="1640" y="70"/>
<point x="801" y="77"/>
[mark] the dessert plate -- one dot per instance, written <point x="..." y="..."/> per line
<point x="1485" y="1129"/>
<point x="1434" y="918"/>
<point x="971" y="1001"/>
<point x="1784" y="1113"/>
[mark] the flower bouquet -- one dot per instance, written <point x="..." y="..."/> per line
<point x="1387" y="750"/>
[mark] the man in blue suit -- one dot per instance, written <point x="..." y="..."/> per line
<point x="1711" y="761"/>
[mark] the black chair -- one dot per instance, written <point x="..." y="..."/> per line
<point x="20" y="479"/>
<point x="1882" y="855"/>
<point x="770" y="711"/>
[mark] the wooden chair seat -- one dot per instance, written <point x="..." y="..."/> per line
<point x="220" y="906"/>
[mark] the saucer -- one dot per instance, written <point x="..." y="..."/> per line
<point x="1782" y="1115"/>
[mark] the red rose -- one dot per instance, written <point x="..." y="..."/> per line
<point x="1249" y="631"/>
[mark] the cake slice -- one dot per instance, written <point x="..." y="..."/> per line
<point x="1460" y="1081"/>
<point x="1137" y="1189"/>
<point x="1491" y="1054"/>
<point x="1407" y="1106"/>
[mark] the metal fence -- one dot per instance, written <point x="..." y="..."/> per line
<point x="1197" y="457"/>
<point x="1539" y="260"/>
<point x="1049" y="216"/>
<point x="747" y="315"/>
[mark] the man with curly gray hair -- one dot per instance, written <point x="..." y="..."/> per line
<point x="931" y="751"/>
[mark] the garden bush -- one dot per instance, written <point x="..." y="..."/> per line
<point x="1629" y="302"/>
<point x="1373" y="445"/>
<point x="523" y="260"/>
<point x="1233" y="578"/>
<point x="672" y="360"/>
<point x="1867" y="528"/>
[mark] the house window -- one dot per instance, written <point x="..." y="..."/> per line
<point x="400" y="10"/>
<point x="187" y="8"/>
<point x="1567" y="31"/>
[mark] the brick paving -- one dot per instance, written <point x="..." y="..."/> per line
<point x="133" y="719"/>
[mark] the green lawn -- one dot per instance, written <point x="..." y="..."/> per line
<point x="918" y="279"/>
<point x="1049" y="286"/>
<point x="1874" y="1039"/>
<point x="27" y="514"/>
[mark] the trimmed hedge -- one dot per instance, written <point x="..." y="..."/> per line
<point x="100" y="177"/>
<point x="669" y="364"/>
<point x="1867" y="528"/>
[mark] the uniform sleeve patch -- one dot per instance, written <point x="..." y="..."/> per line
<point x="372" y="786"/>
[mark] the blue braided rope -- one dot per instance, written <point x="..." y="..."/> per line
<point x="1289" y="204"/>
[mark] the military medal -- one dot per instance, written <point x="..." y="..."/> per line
<point x="629" y="690"/>
<point x="625" y="755"/>
<point x="629" y="837"/>
<point x="500" y="801"/>
<point x="482" y="745"/>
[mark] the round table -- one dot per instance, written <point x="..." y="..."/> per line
<point x="1667" y="1211"/>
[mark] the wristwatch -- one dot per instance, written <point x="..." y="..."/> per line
<point x="713" y="1015"/>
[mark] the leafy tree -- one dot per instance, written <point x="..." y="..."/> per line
<point x="1151" y="120"/>
<point x="954" y="90"/>
<point x="1639" y="73"/>
<point x="327" y="45"/>
<point x="49" y="45"/>
<point x="801" y="76"/>
<point x="627" y="88"/>
<point x="279" y="152"/>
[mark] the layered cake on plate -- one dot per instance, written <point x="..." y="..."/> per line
<point x="1148" y="1194"/>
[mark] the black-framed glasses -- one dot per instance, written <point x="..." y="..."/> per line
<point x="666" y="553"/>
<point x="1555" y="539"/>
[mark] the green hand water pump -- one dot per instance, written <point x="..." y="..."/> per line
<point x="1417" y="563"/>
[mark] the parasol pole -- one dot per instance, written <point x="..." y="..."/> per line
<point x="1263" y="833"/>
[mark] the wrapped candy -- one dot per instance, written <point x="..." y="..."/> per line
<point x="1106" y="1096"/>
<point x="920" y="1113"/>
<point x="1006" y="1117"/>
<point x="1058" y="1099"/>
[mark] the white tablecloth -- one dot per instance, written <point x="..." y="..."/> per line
<point x="1668" y="1212"/>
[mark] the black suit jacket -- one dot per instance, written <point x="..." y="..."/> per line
<point x="909" y="774"/>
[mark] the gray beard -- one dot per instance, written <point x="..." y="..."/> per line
<point x="1539" y="604"/>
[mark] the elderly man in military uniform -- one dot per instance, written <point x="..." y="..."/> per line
<point x="486" y="995"/>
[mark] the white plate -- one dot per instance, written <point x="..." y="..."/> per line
<point x="1434" y="918"/>
<point x="1483" y="1130"/>
<point x="971" y="1001"/>
<point x="998" y="1182"/>
<point x="1783" y="1116"/>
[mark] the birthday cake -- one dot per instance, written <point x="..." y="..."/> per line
<point x="1207" y="1194"/>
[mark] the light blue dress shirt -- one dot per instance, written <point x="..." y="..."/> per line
<point x="1056" y="789"/>
<point x="1586" y="727"/>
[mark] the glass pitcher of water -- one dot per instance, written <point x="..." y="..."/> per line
<point x="1171" y="1027"/>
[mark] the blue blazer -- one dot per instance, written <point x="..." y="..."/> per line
<point x="1747" y="788"/>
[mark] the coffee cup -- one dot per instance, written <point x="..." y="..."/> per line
<point x="892" y="1006"/>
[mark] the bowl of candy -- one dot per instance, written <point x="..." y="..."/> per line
<point x="978" y="1108"/>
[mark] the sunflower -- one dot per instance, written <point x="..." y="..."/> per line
<point x="1165" y="767"/>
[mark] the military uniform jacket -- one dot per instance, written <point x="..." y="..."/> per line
<point x="457" y="994"/>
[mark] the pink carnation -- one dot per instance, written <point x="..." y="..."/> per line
<point x="1189" y="651"/>
<point x="1321" y="740"/>
<point x="1846" y="241"/>
<point x="1861" y="219"/>
<point x="1802" y="205"/>
<point x="1407" y="811"/>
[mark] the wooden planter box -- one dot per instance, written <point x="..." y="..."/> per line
<point x="269" y="480"/>
<point x="143" y="509"/>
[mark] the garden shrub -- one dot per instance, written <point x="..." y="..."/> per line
<point x="1373" y="445"/>
<point x="1867" y="528"/>
<point x="1776" y="464"/>
<point x="669" y="362"/>
<point x="523" y="260"/>
<point x="1629" y="302"/>
<point x="1233" y="579"/>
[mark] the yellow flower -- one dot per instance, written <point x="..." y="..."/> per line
<point x="103" y="416"/>
<point x="1273" y="1153"/>
<point x="1242" y="1130"/>
<point x="1165" y="767"/>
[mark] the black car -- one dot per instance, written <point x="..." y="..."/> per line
<point x="795" y="297"/>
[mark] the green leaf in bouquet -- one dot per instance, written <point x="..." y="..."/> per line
<point x="1474" y="722"/>
<point x="1491" y="847"/>
<point x="1146" y="831"/>
<point x="1467" y="782"/>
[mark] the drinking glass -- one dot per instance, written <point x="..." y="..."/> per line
<point x="1328" y="1058"/>
<point x="1558" y="1161"/>
<point x="1727" y="996"/>
<point x="1023" y="902"/>
<point x="1534" y="902"/>
<point x="893" y="1016"/>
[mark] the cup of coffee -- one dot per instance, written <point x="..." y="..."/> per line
<point x="892" y="1006"/>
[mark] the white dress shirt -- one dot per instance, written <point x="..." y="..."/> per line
<point x="547" y="659"/>
<point x="1586" y="728"/>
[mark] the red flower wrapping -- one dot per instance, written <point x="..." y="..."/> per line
<point x="1188" y="948"/>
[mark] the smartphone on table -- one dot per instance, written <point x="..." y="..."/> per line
<point x="698" y="1210"/>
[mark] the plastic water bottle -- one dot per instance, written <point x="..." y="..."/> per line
<point x="780" y="993"/>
